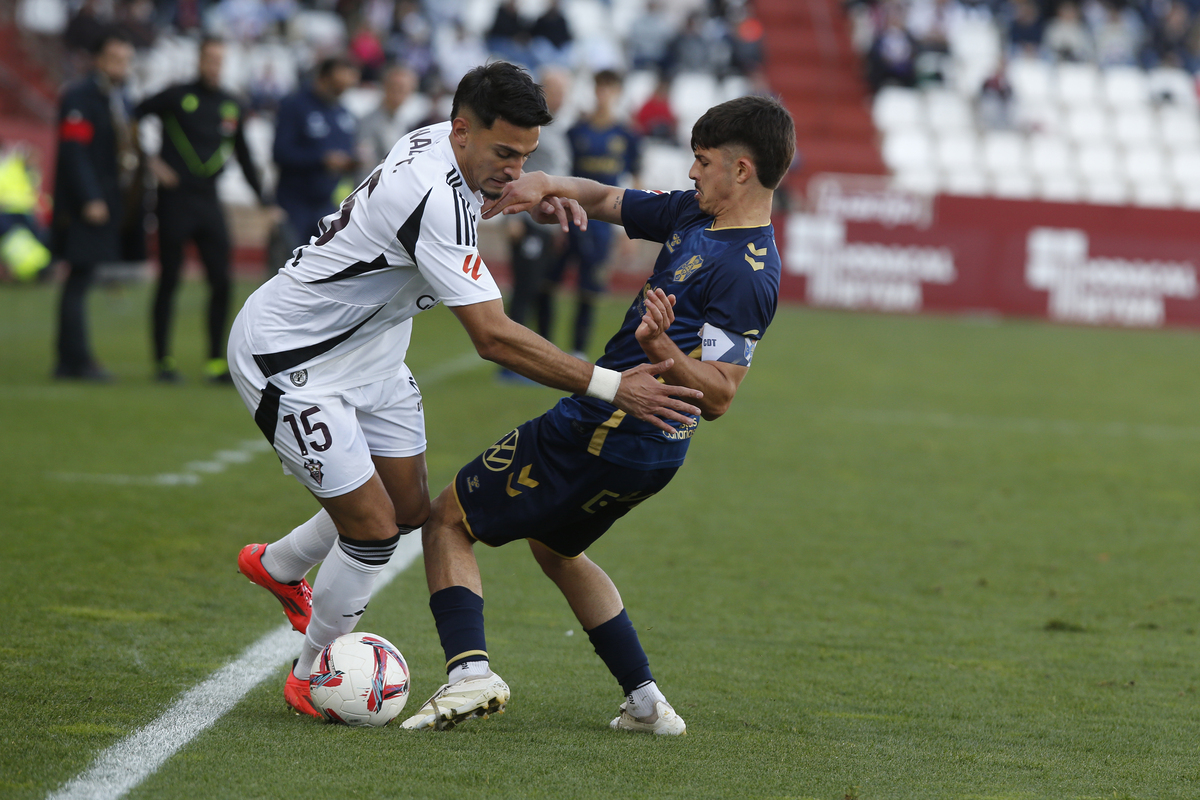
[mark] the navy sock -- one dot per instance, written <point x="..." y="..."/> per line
<point x="617" y="644"/>
<point x="458" y="613"/>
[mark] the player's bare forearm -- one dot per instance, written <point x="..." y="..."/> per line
<point x="499" y="339"/>
<point x="528" y="192"/>
<point x="718" y="381"/>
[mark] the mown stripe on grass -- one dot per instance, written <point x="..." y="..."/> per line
<point x="120" y="768"/>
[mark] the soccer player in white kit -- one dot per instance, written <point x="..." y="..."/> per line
<point x="317" y="353"/>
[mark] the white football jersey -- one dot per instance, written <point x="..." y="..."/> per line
<point x="339" y="314"/>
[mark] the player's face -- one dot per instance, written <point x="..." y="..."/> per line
<point x="494" y="156"/>
<point x="713" y="172"/>
<point x="114" y="60"/>
<point x="212" y="57"/>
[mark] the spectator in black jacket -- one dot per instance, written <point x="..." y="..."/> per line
<point x="203" y="125"/>
<point x="96" y="195"/>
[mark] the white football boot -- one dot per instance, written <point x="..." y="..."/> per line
<point x="475" y="696"/>
<point x="663" y="720"/>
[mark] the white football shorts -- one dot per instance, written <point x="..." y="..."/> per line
<point x="326" y="437"/>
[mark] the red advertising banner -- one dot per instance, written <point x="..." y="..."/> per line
<point x="861" y="244"/>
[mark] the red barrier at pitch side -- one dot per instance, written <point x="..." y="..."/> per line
<point x="864" y="245"/>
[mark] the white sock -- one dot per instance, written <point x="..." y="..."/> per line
<point x="643" y="698"/>
<point x="467" y="669"/>
<point x="289" y="559"/>
<point x="340" y="595"/>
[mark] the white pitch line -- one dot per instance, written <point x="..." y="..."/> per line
<point x="120" y="768"/>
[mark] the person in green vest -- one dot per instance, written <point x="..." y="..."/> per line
<point x="203" y="125"/>
<point x="23" y="249"/>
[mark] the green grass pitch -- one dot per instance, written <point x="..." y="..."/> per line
<point x="920" y="558"/>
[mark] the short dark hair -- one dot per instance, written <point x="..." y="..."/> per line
<point x="609" y="77"/>
<point x="503" y="90"/>
<point x="328" y="65"/>
<point x="760" y="124"/>
<point x="109" y="33"/>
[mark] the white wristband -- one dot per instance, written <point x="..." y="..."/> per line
<point x="604" y="383"/>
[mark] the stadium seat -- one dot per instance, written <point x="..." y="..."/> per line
<point x="1098" y="162"/>
<point x="969" y="181"/>
<point x="897" y="108"/>
<point x="1088" y="123"/>
<point x="1189" y="197"/>
<point x="1135" y="127"/>
<point x="922" y="181"/>
<point x="1004" y="153"/>
<point x="1051" y="157"/>
<point x="1060" y="188"/>
<point x="362" y="100"/>
<point x="1077" y="84"/>
<point x="1179" y="128"/>
<point x="1125" y="87"/>
<point x="908" y="150"/>
<point x="946" y="111"/>
<point x="1106" y="191"/>
<point x="958" y="150"/>
<point x="665" y="167"/>
<point x="1184" y="168"/>
<point x="1145" y="164"/>
<point x="1032" y="80"/>
<point x="1171" y="86"/>
<point x="1014" y="185"/>
<point x="1153" y="194"/>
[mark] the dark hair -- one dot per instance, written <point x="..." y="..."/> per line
<point x="608" y="77"/>
<point x="502" y="90"/>
<point x="760" y="124"/>
<point x="110" y="33"/>
<point x="327" y="66"/>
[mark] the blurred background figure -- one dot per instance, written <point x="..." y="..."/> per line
<point x="604" y="149"/>
<point x="649" y="41"/>
<point x="892" y="59"/>
<point x="399" y="111"/>
<point x="535" y="248"/>
<point x="551" y="37"/>
<point x="1066" y="37"/>
<point x="202" y="127"/>
<point x="655" y="119"/>
<point x="509" y="37"/>
<point x="23" y="241"/>
<point x="314" y="148"/>
<point x="97" y="195"/>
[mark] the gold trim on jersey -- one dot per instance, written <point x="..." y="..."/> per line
<point x="737" y="227"/>
<point x="602" y="430"/>
<point x="463" y="511"/>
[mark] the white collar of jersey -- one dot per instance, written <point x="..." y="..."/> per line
<point x="475" y="198"/>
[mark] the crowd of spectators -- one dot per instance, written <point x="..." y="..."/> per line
<point x="906" y="43"/>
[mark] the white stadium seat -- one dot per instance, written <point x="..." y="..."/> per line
<point x="1004" y="152"/>
<point x="947" y="111"/>
<point x="1135" y="128"/>
<point x="1179" y="128"/>
<point x="923" y="181"/>
<point x="958" y="151"/>
<point x="1145" y="164"/>
<point x="1184" y="168"/>
<point x="1032" y="80"/>
<point x="1098" y="162"/>
<point x="1173" y="86"/>
<point x="908" y="151"/>
<point x="1153" y="194"/>
<point x="1125" y="87"/>
<point x="1014" y="185"/>
<point x="1077" y="84"/>
<point x="1106" y="191"/>
<point x="896" y="108"/>
<point x="1061" y="189"/>
<point x="1088" y="124"/>
<point x="1050" y="156"/>
<point x="970" y="181"/>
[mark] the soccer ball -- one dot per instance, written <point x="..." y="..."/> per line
<point x="360" y="679"/>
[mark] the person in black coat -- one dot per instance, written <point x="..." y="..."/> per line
<point x="202" y="128"/>
<point x="96" y="195"/>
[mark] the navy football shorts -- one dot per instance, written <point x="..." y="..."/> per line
<point x="535" y="483"/>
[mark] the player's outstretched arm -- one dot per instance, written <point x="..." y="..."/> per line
<point x="636" y="392"/>
<point x="533" y="189"/>
<point x="717" y="380"/>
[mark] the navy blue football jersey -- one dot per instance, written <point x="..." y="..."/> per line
<point x="726" y="287"/>
<point x="605" y="154"/>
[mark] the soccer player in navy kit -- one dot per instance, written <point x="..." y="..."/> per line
<point x="562" y="479"/>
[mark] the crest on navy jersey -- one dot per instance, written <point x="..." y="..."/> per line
<point x="299" y="377"/>
<point x="314" y="469"/>
<point x="685" y="272"/>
